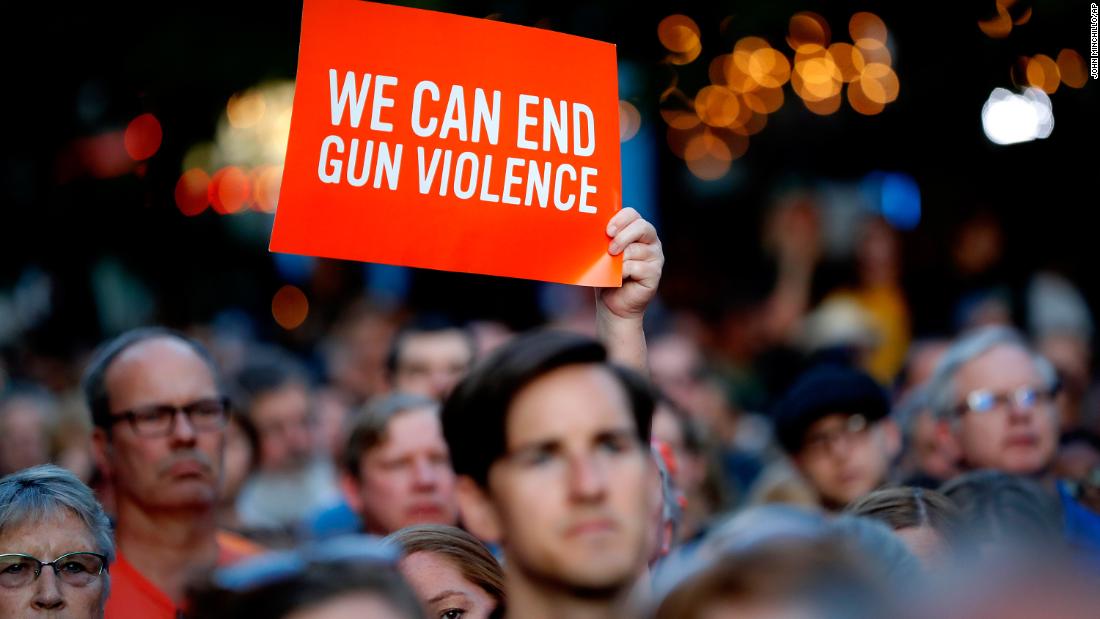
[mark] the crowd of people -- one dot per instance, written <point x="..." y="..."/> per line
<point x="445" y="470"/>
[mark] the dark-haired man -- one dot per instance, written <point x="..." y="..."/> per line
<point x="550" y="443"/>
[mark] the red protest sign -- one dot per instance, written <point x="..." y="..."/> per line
<point x="432" y="140"/>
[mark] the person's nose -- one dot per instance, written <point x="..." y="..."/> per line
<point x="442" y="382"/>
<point x="47" y="591"/>
<point x="183" y="431"/>
<point x="1021" y="412"/>
<point x="424" y="473"/>
<point x="587" y="478"/>
<point x="301" y="439"/>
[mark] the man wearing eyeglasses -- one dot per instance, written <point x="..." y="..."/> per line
<point x="995" y="398"/>
<point x="833" y="423"/>
<point x="159" y="417"/>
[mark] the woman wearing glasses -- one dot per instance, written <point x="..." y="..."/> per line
<point x="55" y="546"/>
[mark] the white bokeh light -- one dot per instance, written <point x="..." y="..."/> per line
<point x="1009" y="118"/>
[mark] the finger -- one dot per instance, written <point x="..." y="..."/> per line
<point x="646" y="274"/>
<point x="642" y="251"/>
<point x="621" y="220"/>
<point x="638" y="231"/>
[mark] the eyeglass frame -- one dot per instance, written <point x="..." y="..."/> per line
<point x="1017" y="397"/>
<point x="104" y="568"/>
<point x="187" y="409"/>
<point x="854" y="425"/>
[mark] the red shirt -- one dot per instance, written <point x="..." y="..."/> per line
<point x="134" y="597"/>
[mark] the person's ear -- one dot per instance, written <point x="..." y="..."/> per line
<point x="946" y="434"/>
<point x="891" y="434"/>
<point x="102" y="452"/>
<point x="349" y="488"/>
<point x="478" y="513"/>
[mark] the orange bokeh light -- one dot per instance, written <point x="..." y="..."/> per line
<point x="808" y="28"/>
<point x="879" y="83"/>
<point x="849" y="60"/>
<point x="678" y="139"/>
<point x="143" y="136"/>
<point x="678" y="33"/>
<point x="873" y="52"/>
<point x="769" y="68"/>
<point x="682" y="58"/>
<point x="229" y="190"/>
<point x="867" y="27"/>
<point x="764" y="100"/>
<point x="266" y="181"/>
<point x="823" y="107"/>
<point x="999" y="26"/>
<point x="859" y="100"/>
<point x="718" y="69"/>
<point x="1072" y="68"/>
<point x="289" y="307"/>
<point x="816" y="79"/>
<point x="708" y="156"/>
<point x="677" y="110"/>
<point x="1043" y="73"/>
<point x="755" y="124"/>
<point x="717" y="106"/>
<point x="191" y="193"/>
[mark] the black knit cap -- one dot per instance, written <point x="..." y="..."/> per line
<point x="822" y="391"/>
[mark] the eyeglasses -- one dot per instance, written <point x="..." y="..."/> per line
<point x="821" y="441"/>
<point x="73" y="568"/>
<point x="984" y="400"/>
<point x="272" y="567"/>
<point x="159" y="420"/>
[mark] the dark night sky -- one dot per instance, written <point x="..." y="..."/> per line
<point x="183" y="61"/>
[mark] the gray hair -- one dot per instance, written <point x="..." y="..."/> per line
<point x="941" y="387"/>
<point x="35" y="493"/>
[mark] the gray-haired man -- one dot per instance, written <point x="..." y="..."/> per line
<point x="995" y="396"/>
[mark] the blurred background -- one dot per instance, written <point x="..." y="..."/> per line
<point x="863" y="173"/>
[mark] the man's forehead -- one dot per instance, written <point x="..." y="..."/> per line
<point x="417" y="426"/>
<point x="162" y="357"/>
<point x="1003" y="363"/>
<point x="577" y="400"/>
<point x="830" y="420"/>
<point x="434" y="341"/>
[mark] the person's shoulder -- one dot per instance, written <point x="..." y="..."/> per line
<point x="233" y="547"/>
<point x="132" y="595"/>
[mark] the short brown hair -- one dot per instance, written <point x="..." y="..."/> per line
<point x="465" y="551"/>
<point x="904" y="507"/>
<point x="369" y="425"/>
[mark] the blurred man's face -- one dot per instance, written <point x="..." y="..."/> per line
<point x="407" y="479"/>
<point x="1013" y="436"/>
<point x="844" y="457"/>
<point x="573" y="494"/>
<point x="690" y="468"/>
<point x="284" y="422"/>
<point x="24" y="439"/>
<point x="431" y="363"/>
<point x="934" y="456"/>
<point x="182" y="469"/>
